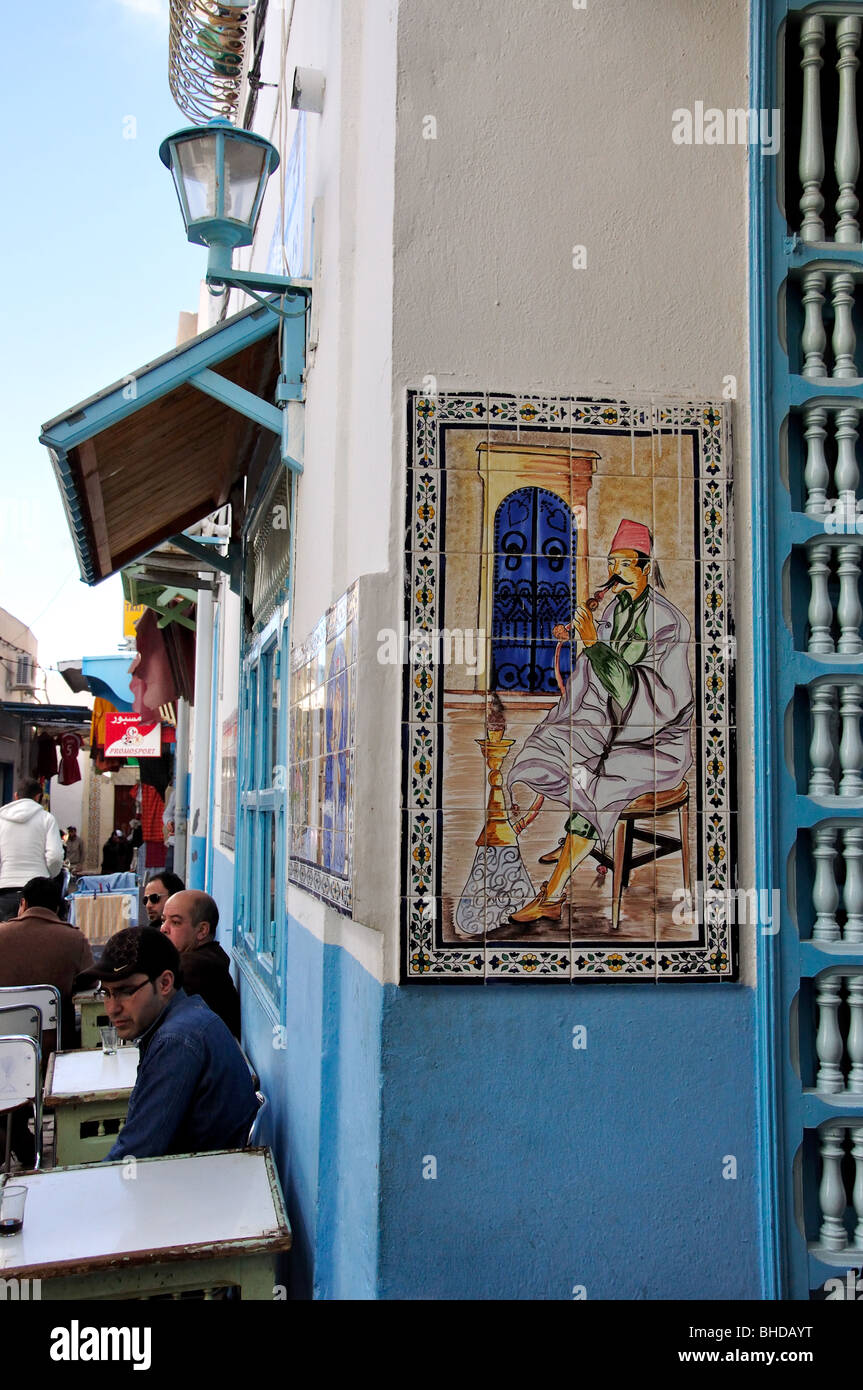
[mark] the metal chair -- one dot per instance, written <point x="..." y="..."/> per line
<point x="20" y="1085"/>
<point x="21" y="1018"/>
<point x="46" y="998"/>
<point x="257" y="1122"/>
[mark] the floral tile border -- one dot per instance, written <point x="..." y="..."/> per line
<point x="426" y="958"/>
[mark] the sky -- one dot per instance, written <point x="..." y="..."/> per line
<point x="97" y="272"/>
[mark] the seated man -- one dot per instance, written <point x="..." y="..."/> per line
<point x="190" y="919"/>
<point x="194" y="1091"/>
<point x="36" y="948"/>
<point x="157" y="890"/>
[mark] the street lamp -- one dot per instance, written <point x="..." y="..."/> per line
<point x="221" y="174"/>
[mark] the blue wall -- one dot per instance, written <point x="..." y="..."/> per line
<point x="556" y="1167"/>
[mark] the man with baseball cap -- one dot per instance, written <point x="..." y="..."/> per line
<point x="194" y="1090"/>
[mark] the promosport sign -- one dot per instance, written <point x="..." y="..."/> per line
<point x="129" y="736"/>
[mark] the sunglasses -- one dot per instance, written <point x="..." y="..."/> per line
<point x="154" y="897"/>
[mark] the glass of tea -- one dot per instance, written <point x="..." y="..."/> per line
<point x="12" y="1201"/>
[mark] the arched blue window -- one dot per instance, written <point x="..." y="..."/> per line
<point x="535" y="540"/>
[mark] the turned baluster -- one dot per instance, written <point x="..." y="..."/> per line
<point x="831" y="1191"/>
<point x="811" y="165"/>
<point x="857" y="1193"/>
<point x="849" y="611"/>
<point x="828" y="1040"/>
<point x="813" y="339"/>
<point x="847" y="153"/>
<point x="844" y="337"/>
<point x="816" y="475"/>
<point x="847" y="473"/>
<point x="825" y="892"/>
<point x="822" y="704"/>
<point x="850" y="744"/>
<point x="854" y="1042"/>
<point x="820" y="611"/>
<point x="852" y="893"/>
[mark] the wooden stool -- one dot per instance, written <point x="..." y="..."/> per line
<point x="650" y="805"/>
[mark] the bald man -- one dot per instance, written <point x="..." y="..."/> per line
<point x="190" y="920"/>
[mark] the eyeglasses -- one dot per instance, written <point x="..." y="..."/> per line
<point x="154" y="897"/>
<point x="122" y="994"/>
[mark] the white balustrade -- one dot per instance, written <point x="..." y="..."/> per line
<point x="822" y="700"/>
<point x="811" y="165"/>
<point x="847" y="153"/>
<point x="844" y="337"/>
<point x="829" y="1045"/>
<point x="816" y="474"/>
<point x="831" y="1191"/>
<point x="854" y="1041"/>
<point x="825" y="891"/>
<point x="847" y="474"/>
<point x="813" y="339"/>
<point x="857" y="1193"/>
<point x="852" y="893"/>
<point x="820" y="611"/>
<point x="850" y="743"/>
<point x="849" y="610"/>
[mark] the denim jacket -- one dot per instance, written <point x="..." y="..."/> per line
<point x="194" y="1090"/>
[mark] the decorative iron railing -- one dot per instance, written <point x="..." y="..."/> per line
<point x="207" y="50"/>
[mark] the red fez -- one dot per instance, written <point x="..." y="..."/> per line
<point x="631" y="535"/>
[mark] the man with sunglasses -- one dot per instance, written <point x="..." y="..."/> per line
<point x="194" y="1091"/>
<point x="157" y="890"/>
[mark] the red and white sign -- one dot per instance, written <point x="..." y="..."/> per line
<point x="129" y="736"/>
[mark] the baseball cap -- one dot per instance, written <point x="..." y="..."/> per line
<point x="135" y="951"/>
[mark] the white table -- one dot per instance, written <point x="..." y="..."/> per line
<point x="89" y="1094"/>
<point x="135" y="1229"/>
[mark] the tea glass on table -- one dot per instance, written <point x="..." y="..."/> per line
<point x="12" y="1201"/>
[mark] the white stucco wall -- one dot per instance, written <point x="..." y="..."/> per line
<point x="453" y="257"/>
<point x="553" y="131"/>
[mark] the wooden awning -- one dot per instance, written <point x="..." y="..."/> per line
<point x="162" y="448"/>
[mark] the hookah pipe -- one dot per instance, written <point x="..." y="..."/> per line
<point x="591" y="605"/>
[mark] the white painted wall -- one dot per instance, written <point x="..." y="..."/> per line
<point x="554" y="130"/>
<point x="454" y="257"/>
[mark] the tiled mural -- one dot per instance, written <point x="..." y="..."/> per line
<point x="323" y="726"/>
<point x="568" y="731"/>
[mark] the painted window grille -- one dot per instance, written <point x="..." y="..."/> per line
<point x="807" y="298"/>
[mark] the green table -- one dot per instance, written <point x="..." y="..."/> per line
<point x="89" y="1095"/>
<point x="93" y="1017"/>
<point x="197" y="1225"/>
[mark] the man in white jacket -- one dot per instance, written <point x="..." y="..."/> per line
<point x="30" y="845"/>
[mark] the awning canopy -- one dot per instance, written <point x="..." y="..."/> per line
<point x="163" y="447"/>
<point x="105" y="676"/>
<point x="49" y="716"/>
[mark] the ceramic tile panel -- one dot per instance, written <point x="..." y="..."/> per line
<point x="577" y="710"/>
<point x="321" y="772"/>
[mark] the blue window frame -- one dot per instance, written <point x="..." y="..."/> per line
<point x="260" y="932"/>
<point x="260" y="939"/>
<point x="805" y="811"/>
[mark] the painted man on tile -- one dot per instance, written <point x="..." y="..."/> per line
<point x="622" y="726"/>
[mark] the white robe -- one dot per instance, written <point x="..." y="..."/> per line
<point x="578" y="755"/>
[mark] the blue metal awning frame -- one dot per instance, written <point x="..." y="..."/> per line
<point x="190" y="364"/>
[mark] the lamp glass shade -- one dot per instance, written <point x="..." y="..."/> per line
<point x="194" y="169"/>
<point x="246" y="172"/>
